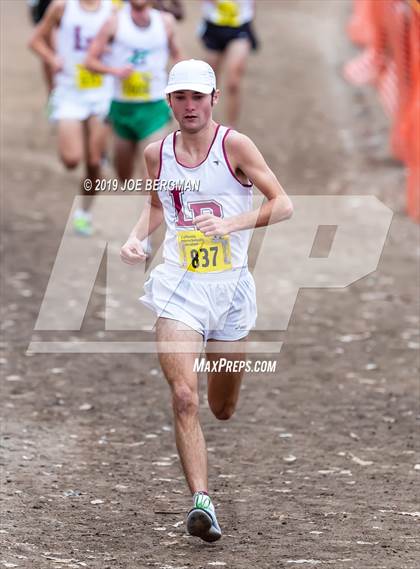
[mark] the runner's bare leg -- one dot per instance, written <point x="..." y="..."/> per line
<point x="183" y="381"/>
<point x="95" y="140"/>
<point x="125" y="152"/>
<point x="70" y="142"/>
<point x="236" y="57"/>
<point x="223" y="387"/>
<point x="214" y="58"/>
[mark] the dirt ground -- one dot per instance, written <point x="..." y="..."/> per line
<point x="90" y="476"/>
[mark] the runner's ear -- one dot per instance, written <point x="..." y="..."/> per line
<point x="214" y="97"/>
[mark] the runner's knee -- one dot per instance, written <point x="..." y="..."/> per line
<point x="184" y="401"/>
<point x="233" y="83"/>
<point x="94" y="163"/>
<point x="124" y="172"/>
<point x="223" y="412"/>
<point x="70" y="160"/>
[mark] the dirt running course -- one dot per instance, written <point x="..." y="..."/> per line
<point x="319" y="466"/>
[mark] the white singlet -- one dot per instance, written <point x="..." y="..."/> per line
<point x="146" y="49"/>
<point x="77" y="28"/>
<point x="217" y="191"/>
<point x="204" y="281"/>
<point x="232" y="13"/>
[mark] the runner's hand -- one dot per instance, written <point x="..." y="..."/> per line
<point x="123" y="72"/>
<point x="211" y="225"/>
<point x="132" y="251"/>
<point x="56" y="64"/>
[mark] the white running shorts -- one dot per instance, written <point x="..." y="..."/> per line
<point x="70" y="104"/>
<point x="220" y="306"/>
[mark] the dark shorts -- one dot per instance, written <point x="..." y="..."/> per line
<point x="38" y="9"/>
<point x="217" y="38"/>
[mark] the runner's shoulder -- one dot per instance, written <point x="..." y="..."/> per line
<point x="111" y="23"/>
<point x="168" y="18"/>
<point x="169" y="21"/>
<point x="56" y="9"/>
<point x="238" y="145"/>
<point x="152" y="156"/>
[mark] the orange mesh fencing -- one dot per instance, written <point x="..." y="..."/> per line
<point x="369" y="24"/>
<point x="361" y="26"/>
<point x="410" y="128"/>
<point x="389" y="31"/>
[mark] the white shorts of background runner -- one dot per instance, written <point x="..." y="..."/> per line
<point x="69" y="104"/>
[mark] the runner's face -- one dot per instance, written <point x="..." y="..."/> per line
<point x="192" y="110"/>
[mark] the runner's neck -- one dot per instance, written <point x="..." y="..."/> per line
<point x="141" y="18"/>
<point x="90" y="5"/>
<point x="192" y="148"/>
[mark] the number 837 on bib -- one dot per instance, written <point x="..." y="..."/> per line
<point x="201" y="254"/>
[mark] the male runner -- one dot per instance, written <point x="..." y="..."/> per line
<point x="203" y="290"/>
<point x="228" y="38"/>
<point x="141" y="40"/>
<point x="80" y="99"/>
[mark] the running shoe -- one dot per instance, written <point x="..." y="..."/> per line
<point x="201" y="519"/>
<point x="82" y="223"/>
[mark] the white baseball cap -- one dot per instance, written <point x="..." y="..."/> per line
<point x="191" y="75"/>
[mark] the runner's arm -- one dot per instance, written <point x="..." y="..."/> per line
<point x="41" y="39"/>
<point x="173" y="41"/>
<point x="98" y="47"/>
<point x="151" y="217"/>
<point x="245" y="157"/>
<point x="248" y="159"/>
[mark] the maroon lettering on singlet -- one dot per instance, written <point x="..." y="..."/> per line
<point x="79" y="45"/>
<point x="195" y="208"/>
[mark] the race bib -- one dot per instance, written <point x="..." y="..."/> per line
<point x="227" y="13"/>
<point x="137" y="86"/>
<point x="201" y="254"/>
<point x="86" y="79"/>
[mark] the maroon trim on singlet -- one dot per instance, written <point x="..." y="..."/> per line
<point x="161" y="157"/>
<point x="207" y="155"/>
<point x="228" y="163"/>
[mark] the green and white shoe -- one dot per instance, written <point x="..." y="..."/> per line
<point x="201" y="519"/>
<point x="82" y="223"/>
